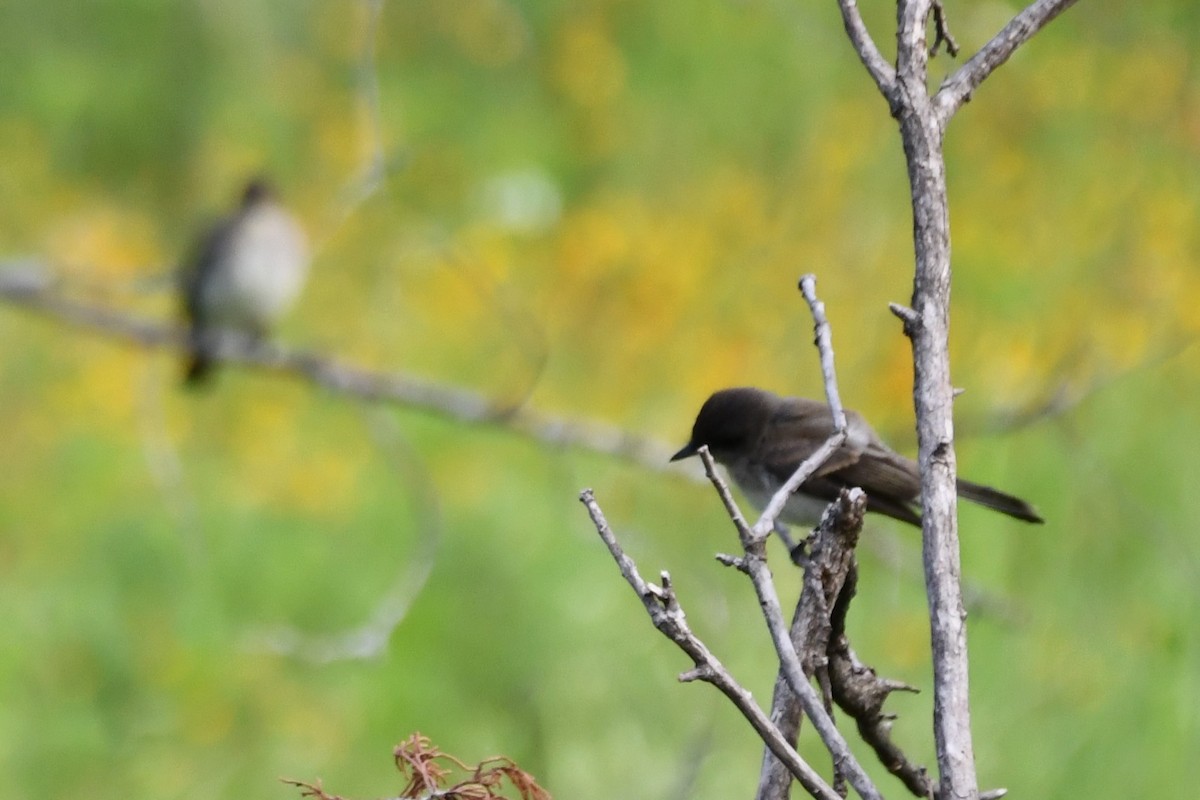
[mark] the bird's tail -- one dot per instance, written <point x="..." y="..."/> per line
<point x="998" y="501"/>
<point x="200" y="363"/>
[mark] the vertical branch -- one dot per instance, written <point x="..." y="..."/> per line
<point x="823" y="338"/>
<point x="929" y="328"/>
<point x="923" y="120"/>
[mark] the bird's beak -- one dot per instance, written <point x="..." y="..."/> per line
<point x="690" y="449"/>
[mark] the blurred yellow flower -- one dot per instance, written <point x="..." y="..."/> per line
<point x="588" y="66"/>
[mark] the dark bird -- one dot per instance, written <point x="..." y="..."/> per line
<point x="247" y="271"/>
<point x="762" y="438"/>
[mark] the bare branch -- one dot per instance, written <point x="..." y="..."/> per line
<point x="942" y="35"/>
<point x="830" y="556"/>
<point x="766" y="522"/>
<point x="907" y="316"/>
<point x="923" y="122"/>
<point x="28" y="287"/>
<point x="819" y="634"/>
<point x="755" y="565"/>
<point x="824" y="342"/>
<point x="745" y="532"/>
<point x="933" y="398"/>
<point x="957" y="88"/>
<point x="912" y="57"/>
<point x="929" y="329"/>
<point x="881" y="71"/>
<point x="823" y="338"/>
<point x="861" y="694"/>
<point x="668" y="617"/>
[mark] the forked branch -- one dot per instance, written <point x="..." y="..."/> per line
<point x="957" y="88"/>
<point x="667" y="616"/>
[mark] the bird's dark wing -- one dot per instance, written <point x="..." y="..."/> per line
<point x="882" y="471"/>
<point x="200" y="263"/>
<point x="796" y="430"/>
<point x="890" y="480"/>
<point x="196" y="270"/>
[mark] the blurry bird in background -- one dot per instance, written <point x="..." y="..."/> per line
<point x="246" y="272"/>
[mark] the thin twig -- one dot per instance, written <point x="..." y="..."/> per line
<point x="957" y="88"/>
<point x="906" y="315"/>
<point x="829" y="559"/>
<point x="788" y="697"/>
<point x="754" y="564"/>
<point x="731" y="506"/>
<point x="667" y="616"/>
<point x="881" y="71"/>
<point x="942" y="35"/>
<point x="766" y="523"/>
<point x="823" y="338"/>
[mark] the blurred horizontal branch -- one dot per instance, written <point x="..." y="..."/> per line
<point x="28" y="285"/>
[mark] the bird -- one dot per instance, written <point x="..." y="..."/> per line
<point x="246" y="271"/>
<point x="761" y="438"/>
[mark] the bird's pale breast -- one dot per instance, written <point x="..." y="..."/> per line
<point x="261" y="272"/>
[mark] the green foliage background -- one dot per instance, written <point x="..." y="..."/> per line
<point x="601" y="206"/>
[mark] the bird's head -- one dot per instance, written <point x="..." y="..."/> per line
<point x="257" y="190"/>
<point x="731" y="420"/>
